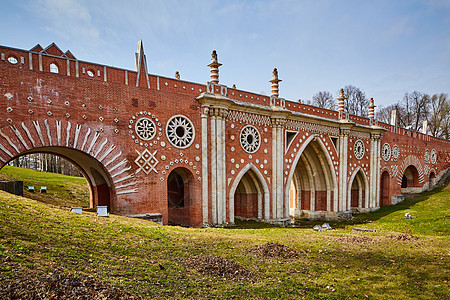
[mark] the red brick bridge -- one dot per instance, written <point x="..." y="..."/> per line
<point x="205" y="154"/>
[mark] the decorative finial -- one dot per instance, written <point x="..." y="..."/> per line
<point x="341" y="99"/>
<point x="371" y="108"/>
<point x="214" y="65"/>
<point x="275" y="74"/>
<point x="275" y="82"/>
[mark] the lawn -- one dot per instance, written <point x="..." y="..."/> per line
<point x="62" y="190"/>
<point x="402" y="259"/>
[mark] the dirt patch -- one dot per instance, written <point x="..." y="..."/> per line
<point x="403" y="237"/>
<point x="270" y="250"/>
<point x="354" y="239"/>
<point x="217" y="266"/>
<point x="60" y="286"/>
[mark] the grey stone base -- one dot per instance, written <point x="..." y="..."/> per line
<point x="397" y="199"/>
<point x="282" y="222"/>
<point x="155" y="217"/>
<point x="324" y="215"/>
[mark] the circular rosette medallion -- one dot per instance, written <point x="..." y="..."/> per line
<point x="250" y="139"/>
<point x="145" y="129"/>
<point x="395" y="152"/>
<point x="433" y="156"/>
<point x="386" y="152"/>
<point x="180" y="131"/>
<point x="359" y="149"/>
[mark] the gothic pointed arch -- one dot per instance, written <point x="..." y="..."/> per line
<point x="316" y="183"/>
<point x="358" y="189"/>
<point x="249" y="195"/>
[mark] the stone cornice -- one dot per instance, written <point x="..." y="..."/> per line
<point x="277" y="112"/>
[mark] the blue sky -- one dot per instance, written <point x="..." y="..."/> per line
<point x="386" y="48"/>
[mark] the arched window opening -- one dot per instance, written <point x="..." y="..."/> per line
<point x="54" y="68"/>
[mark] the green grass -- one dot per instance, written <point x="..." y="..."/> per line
<point x="62" y="190"/>
<point x="36" y="238"/>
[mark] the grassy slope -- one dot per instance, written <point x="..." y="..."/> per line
<point x="62" y="190"/>
<point x="36" y="238"/>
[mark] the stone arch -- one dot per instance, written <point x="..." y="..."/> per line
<point x="104" y="167"/>
<point x="411" y="160"/>
<point x="313" y="147"/>
<point x="99" y="180"/>
<point x="253" y="180"/>
<point x="410" y="177"/>
<point x="180" y="196"/>
<point x="385" y="189"/>
<point x="358" y="189"/>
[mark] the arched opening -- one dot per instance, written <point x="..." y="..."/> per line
<point x="432" y="179"/>
<point x="410" y="177"/>
<point x="179" y="196"/>
<point x="96" y="176"/>
<point x="358" y="191"/>
<point x="54" y="68"/>
<point x="248" y="197"/>
<point x="312" y="185"/>
<point x="384" y="189"/>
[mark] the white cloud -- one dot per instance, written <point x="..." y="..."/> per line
<point x="69" y="19"/>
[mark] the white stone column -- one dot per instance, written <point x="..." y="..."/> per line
<point x="378" y="171"/>
<point x="274" y="169"/>
<point x="343" y="160"/>
<point x="219" y="141"/>
<point x="283" y="213"/>
<point x="213" y="168"/>
<point x="205" y="204"/>
<point x="277" y="169"/>
<point x="279" y="175"/>
<point x="224" y="113"/>
<point x="373" y="171"/>
<point x="218" y="172"/>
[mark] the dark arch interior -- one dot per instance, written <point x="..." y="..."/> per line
<point x="92" y="170"/>
<point x="179" y="190"/>
<point x="358" y="191"/>
<point x="312" y="187"/>
<point x="410" y="177"/>
<point x="247" y="195"/>
<point x="384" y="189"/>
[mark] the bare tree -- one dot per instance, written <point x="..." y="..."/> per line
<point x="439" y="117"/>
<point x="384" y="113"/>
<point x="324" y="99"/>
<point x="356" y="101"/>
<point x="413" y="110"/>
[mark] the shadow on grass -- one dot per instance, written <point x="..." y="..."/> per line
<point x="357" y="219"/>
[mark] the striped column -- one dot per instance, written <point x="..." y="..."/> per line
<point x="275" y="82"/>
<point x="214" y="65"/>
<point x="371" y="109"/>
<point x="341" y="99"/>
